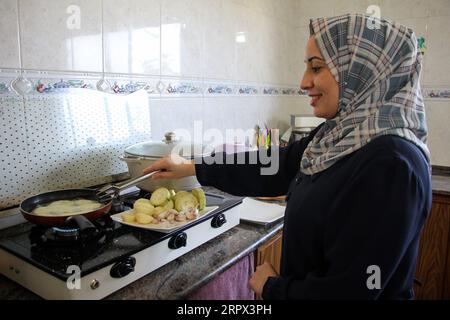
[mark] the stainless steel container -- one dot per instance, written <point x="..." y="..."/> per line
<point x="142" y="155"/>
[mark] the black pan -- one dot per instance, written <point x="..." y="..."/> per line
<point x="29" y="204"/>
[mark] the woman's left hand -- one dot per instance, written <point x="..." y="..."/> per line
<point x="259" y="278"/>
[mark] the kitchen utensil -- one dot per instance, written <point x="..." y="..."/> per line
<point x="111" y="191"/>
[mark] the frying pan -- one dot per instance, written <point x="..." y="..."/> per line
<point x="29" y="204"/>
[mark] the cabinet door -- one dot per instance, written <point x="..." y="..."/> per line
<point x="271" y="252"/>
<point x="432" y="264"/>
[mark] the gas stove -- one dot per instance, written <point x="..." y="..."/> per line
<point x="91" y="261"/>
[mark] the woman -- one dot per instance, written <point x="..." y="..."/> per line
<point x="359" y="186"/>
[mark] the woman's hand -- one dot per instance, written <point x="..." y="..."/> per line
<point x="259" y="278"/>
<point x="173" y="167"/>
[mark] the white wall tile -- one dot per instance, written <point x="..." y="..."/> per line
<point x="51" y="39"/>
<point x="438" y="8"/>
<point x="438" y="118"/>
<point x="182" y="28"/>
<point x="249" y="54"/>
<point x="349" y="6"/>
<point x="418" y="25"/>
<point x="294" y="55"/>
<point x="132" y="36"/>
<point x="220" y="39"/>
<point x="315" y="9"/>
<point x="9" y="54"/>
<point x="401" y="9"/>
<point x="303" y="34"/>
<point x="173" y="114"/>
<point x="221" y="113"/>
<point x="437" y="66"/>
<point x="265" y="49"/>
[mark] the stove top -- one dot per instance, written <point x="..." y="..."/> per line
<point x="54" y="250"/>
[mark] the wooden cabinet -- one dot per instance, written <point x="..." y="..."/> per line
<point x="270" y="252"/>
<point x="433" y="264"/>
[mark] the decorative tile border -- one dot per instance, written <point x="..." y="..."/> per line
<point x="124" y="86"/>
<point x="247" y="90"/>
<point x="47" y="82"/>
<point x="60" y="85"/>
<point x="219" y="89"/>
<point x="436" y="93"/>
<point x="271" y="91"/>
<point x="176" y="87"/>
<point x="4" y="87"/>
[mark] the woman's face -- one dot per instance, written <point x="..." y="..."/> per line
<point x="320" y="83"/>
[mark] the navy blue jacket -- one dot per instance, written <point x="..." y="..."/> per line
<point x="364" y="212"/>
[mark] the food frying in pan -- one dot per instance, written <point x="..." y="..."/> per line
<point x="67" y="207"/>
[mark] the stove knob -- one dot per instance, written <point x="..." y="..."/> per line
<point x="218" y="221"/>
<point x="123" y="268"/>
<point x="177" y="241"/>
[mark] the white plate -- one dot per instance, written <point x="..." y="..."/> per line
<point x="260" y="212"/>
<point x="165" y="227"/>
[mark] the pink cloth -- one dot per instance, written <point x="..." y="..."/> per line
<point x="232" y="284"/>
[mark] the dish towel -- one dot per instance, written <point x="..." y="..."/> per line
<point x="232" y="284"/>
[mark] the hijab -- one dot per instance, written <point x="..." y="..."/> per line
<point x="377" y="66"/>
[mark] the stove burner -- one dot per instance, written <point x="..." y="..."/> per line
<point x="77" y="232"/>
<point x="61" y="233"/>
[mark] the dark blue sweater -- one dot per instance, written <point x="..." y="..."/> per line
<point x="366" y="210"/>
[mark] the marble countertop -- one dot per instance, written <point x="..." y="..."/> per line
<point x="441" y="184"/>
<point x="179" y="278"/>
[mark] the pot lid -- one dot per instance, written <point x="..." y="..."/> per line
<point x="155" y="149"/>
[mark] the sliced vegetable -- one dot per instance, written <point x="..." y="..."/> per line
<point x="179" y="193"/>
<point x="201" y="197"/>
<point x="143" y="200"/>
<point x="129" y="217"/>
<point x="143" y="207"/>
<point x="157" y="211"/>
<point x="160" y="196"/>
<point x="185" y="201"/>
<point x="143" y="218"/>
<point x="169" y="205"/>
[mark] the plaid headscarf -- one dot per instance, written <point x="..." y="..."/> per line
<point x="377" y="66"/>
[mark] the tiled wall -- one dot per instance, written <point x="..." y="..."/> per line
<point x="229" y="63"/>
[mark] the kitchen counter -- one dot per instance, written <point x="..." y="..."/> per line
<point x="441" y="184"/>
<point x="179" y="278"/>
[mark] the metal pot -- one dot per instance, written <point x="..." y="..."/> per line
<point x="142" y="155"/>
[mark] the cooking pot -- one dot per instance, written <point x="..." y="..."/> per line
<point x="142" y="155"/>
<point x="29" y="204"/>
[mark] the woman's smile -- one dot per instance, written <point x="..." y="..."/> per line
<point x="315" y="98"/>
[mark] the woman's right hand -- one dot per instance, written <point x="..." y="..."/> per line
<point x="172" y="166"/>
